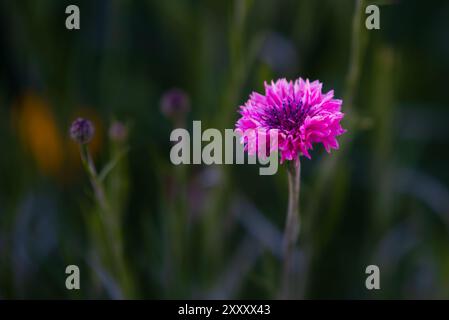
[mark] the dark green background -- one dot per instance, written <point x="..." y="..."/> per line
<point x="384" y="200"/>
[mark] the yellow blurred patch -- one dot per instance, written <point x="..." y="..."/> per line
<point x="39" y="133"/>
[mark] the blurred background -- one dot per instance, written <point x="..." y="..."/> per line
<point x="201" y="231"/>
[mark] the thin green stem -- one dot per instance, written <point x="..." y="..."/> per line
<point x="92" y="172"/>
<point x="292" y="226"/>
<point x="355" y="59"/>
<point x="110" y="227"/>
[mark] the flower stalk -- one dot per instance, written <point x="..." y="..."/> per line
<point x="292" y="225"/>
<point x="89" y="166"/>
<point x="111" y="229"/>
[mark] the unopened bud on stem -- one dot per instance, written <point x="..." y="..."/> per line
<point x="82" y="131"/>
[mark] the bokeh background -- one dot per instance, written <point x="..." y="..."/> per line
<point x="215" y="231"/>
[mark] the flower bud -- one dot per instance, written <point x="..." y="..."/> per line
<point x="175" y="103"/>
<point x="82" y="131"/>
<point x="118" y="132"/>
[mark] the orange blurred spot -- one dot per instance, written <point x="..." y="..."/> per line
<point x="39" y="133"/>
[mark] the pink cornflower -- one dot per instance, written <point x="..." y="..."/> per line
<point x="299" y="111"/>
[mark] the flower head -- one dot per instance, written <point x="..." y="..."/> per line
<point x="82" y="131"/>
<point x="118" y="132"/>
<point x="174" y="103"/>
<point x="299" y="111"/>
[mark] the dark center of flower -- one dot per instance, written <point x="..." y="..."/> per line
<point x="288" y="117"/>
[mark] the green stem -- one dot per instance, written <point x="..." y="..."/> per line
<point x="111" y="228"/>
<point x="292" y="225"/>
<point x="355" y="59"/>
<point x="92" y="172"/>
